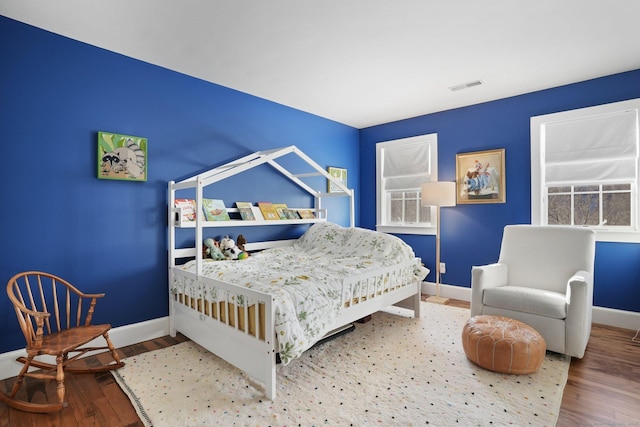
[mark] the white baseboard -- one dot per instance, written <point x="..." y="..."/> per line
<point x="619" y="318"/>
<point x="448" y="291"/>
<point x="601" y="315"/>
<point x="121" y="337"/>
<point x="143" y="331"/>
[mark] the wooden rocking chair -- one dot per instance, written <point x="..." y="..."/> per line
<point x="55" y="319"/>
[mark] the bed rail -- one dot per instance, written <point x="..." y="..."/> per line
<point x="230" y="321"/>
<point x="237" y="323"/>
<point x="393" y="285"/>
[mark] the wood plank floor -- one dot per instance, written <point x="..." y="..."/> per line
<point x="603" y="388"/>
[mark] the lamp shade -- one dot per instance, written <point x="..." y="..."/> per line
<point x="436" y="193"/>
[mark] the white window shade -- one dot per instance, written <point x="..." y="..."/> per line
<point x="597" y="148"/>
<point x="406" y="167"/>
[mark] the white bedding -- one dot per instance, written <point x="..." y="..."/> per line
<point x="313" y="280"/>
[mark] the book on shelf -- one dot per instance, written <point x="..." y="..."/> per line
<point x="257" y="213"/>
<point x="280" y="209"/>
<point x="187" y="209"/>
<point x="214" y="210"/>
<point x="291" y="214"/>
<point x="246" y="213"/>
<point x="268" y="211"/>
<point x="307" y="213"/>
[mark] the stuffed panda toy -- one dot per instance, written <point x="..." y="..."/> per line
<point x="230" y="250"/>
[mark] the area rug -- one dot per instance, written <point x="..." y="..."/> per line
<point x="393" y="370"/>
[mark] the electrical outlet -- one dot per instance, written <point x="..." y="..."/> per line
<point x="443" y="268"/>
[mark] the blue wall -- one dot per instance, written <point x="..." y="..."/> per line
<point x="55" y="95"/>
<point x="471" y="234"/>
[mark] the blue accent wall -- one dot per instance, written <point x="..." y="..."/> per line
<point x="111" y="236"/>
<point x="471" y="234"/>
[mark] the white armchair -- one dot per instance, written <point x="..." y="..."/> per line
<point x="544" y="278"/>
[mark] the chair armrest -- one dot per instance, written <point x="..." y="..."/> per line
<point x="91" y="295"/>
<point x="92" y="306"/>
<point x="579" y="312"/>
<point x="483" y="277"/>
<point x="580" y="288"/>
<point x="39" y="318"/>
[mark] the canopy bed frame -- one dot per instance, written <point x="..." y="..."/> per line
<point x="238" y="323"/>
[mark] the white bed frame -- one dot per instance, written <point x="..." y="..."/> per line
<point x="224" y="334"/>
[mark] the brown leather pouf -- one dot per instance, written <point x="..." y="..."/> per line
<point x="503" y="345"/>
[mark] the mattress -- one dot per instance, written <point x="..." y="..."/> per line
<point x="327" y="270"/>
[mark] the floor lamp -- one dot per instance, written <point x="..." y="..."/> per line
<point x="438" y="194"/>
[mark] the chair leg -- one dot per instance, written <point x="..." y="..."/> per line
<point x="22" y="405"/>
<point x="21" y="375"/>
<point x="113" y="351"/>
<point x="60" y="359"/>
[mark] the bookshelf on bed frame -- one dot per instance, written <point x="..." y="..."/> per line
<point x="259" y="158"/>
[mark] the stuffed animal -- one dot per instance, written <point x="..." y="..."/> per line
<point x="212" y="249"/>
<point x="230" y="250"/>
<point x="240" y="241"/>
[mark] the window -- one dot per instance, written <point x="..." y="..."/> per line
<point x="584" y="169"/>
<point x="401" y="167"/>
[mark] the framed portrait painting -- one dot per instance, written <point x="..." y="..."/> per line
<point x="480" y="177"/>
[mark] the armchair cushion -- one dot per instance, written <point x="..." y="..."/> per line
<point x="527" y="300"/>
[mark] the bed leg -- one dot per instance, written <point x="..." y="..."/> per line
<point x="270" y="391"/>
<point x="364" y="319"/>
<point x="416" y="302"/>
<point x="172" y="323"/>
<point x="270" y="382"/>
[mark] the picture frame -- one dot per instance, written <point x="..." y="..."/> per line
<point x="122" y="157"/>
<point x="480" y="177"/>
<point x="340" y="174"/>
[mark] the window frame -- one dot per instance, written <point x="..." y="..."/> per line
<point x="383" y="196"/>
<point x="539" y="195"/>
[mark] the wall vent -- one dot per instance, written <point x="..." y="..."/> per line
<point x="466" y="85"/>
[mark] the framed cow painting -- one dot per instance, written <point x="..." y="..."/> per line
<point x="480" y="177"/>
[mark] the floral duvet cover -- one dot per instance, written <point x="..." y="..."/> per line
<point x="311" y="280"/>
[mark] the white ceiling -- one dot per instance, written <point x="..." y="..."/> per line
<point x="360" y="62"/>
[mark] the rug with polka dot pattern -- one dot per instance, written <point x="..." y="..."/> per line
<point x="392" y="370"/>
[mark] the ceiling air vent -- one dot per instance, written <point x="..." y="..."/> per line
<point x="466" y="85"/>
